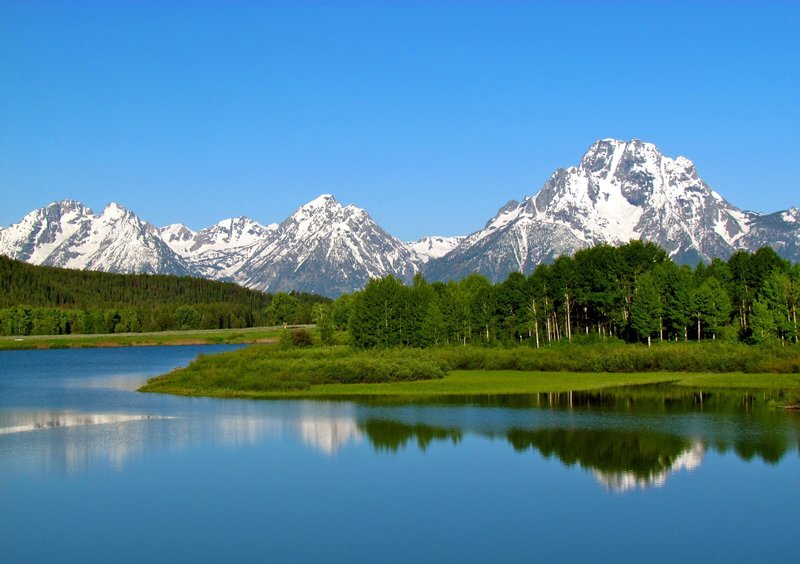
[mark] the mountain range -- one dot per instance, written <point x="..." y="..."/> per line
<point x="619" y="191"/>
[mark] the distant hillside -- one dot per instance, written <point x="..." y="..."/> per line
<point x="22" y="283"/>
<point x="48" y="300"/>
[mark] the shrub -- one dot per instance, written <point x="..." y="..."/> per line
<point x="296" y="337"/>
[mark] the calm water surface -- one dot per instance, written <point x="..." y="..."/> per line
<point x="92" y="471"/>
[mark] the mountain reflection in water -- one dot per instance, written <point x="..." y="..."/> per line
<point x="620" y="460"/>
<point x="625" y="439"/>
<point x="40" y="420"/>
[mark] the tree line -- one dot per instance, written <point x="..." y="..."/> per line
<point x="633" y="293"/>
<point x="40" y="300"/>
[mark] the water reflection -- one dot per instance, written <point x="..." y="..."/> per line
<point x="623" y="481"/>
<point x="324" y="427"/>
<point x="329" y="435"/>
<point x="125" y="382"/>
<point x="393" y="435"/>
<point x="625" y="439"/>
<point x="22" y="422"/>
<point x="620" y="460"/>
<point x="70" y="442"/>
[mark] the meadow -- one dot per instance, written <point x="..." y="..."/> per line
<point x="342" y="371"/>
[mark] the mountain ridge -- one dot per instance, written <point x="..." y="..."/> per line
<point x="620" y="190"/>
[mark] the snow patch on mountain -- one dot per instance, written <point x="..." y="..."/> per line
<point x="433" y="247"/>
<point x="178" y="237"/>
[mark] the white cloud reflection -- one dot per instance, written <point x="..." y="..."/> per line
<point x="71" y="441"/>
<point x="621" y="482"/>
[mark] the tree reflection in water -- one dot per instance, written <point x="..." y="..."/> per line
<point x="621" y="460"/>
<point x="629" y="439"/>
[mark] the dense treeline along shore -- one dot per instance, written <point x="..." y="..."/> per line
<point x="633" y="292"/>
<point x="40" y="300"/>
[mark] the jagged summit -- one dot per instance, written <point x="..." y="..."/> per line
<point x="320" y="201"/>
<point x="326" y="247"/>
<point x="70" y="235"/>
<point x="620" y="190"/>
<point x="629" y="190"/>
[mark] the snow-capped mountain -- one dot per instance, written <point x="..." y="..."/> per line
<point x="41" y="231"/>
<point x="432" y="247"/>
<point x="323" y="247"/>
<point x="220" y="250"/>
<point x="619" y="191"/>
<point x="178" y="237"/>
<point x="780" y="230"/>
<point x="327" y="248"/>
<point x="68" y="234"/>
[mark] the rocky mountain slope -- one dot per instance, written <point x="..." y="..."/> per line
<point x="70" y="235"/>
<point x="619" y="191"/>
<point x="219" y="251"/>
<point x="327" y="248"/>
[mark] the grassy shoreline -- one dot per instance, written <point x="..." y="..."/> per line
<point x="496" y="382"/>
<point x="252" y="335"/>
<point x="457" y="371"/>
<point x="342" y="372"/>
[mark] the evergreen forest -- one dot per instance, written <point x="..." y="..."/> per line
<point x="631" y="293"/>
<point x="40" y="300"/>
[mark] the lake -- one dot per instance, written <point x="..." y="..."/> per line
<point x="91" y="470"/>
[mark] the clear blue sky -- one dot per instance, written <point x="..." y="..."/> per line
<point x="429" y="115"/>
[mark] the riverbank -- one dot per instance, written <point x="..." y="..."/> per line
<point x="253" y="335"/>
<point x="337" y="372"/>
<point x="459" y="383"/>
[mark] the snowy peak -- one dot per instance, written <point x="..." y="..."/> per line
<point x="629" y="190"/>
<point x="225" y="235"/>
<point x="42" y="230"/>
<point x="328" y="248"/>
<point x="178" y="237"/>
<point x="116" y="211"/>
<point x="620" y="190"/>
<point x="220" y="250"/>
<point x="321" y="201"/>
<point x="230" y="233"/>
<point x="70" y="235"/>
<point x="433" y="247"/>
<point x="312" y="216"/>
<point x="792" y="215"/>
